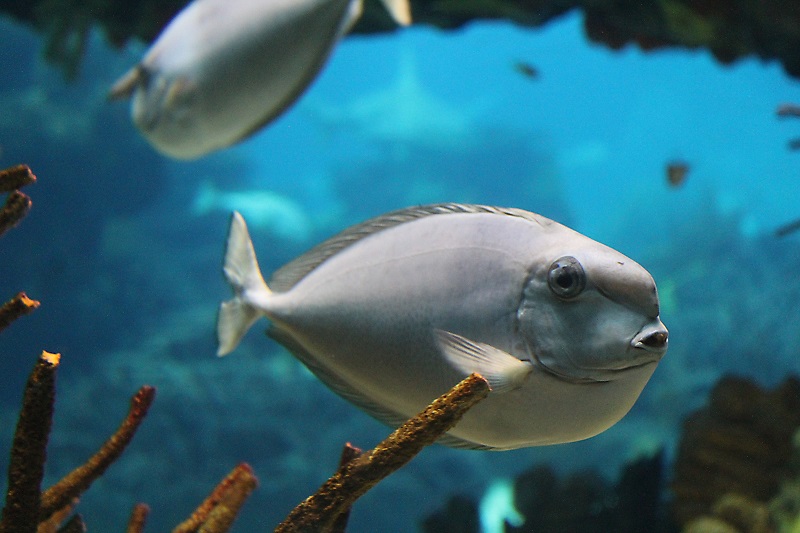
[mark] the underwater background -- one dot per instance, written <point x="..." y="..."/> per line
<point x="124" y="246"/>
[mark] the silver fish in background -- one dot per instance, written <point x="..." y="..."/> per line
<point x="224" y="69"/>
<point x="393" y="312"/>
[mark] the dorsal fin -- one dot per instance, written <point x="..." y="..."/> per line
<point x="290" y="274"/>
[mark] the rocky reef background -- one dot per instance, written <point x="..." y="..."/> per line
<point x="729" y="29"/>
<point x="126" y="258"/>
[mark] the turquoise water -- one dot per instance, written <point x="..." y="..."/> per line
<point x="124" y="247"/>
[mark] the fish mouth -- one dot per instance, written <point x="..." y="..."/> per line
<point x="603" y="375"/>
<point x="587" y="375"/>
<point x="650" y="344"/>
<point x="646" y="348"/>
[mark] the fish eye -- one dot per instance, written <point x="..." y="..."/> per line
<point x="566" y="277"/>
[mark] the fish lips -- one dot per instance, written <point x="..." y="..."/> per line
<point x="650" y="344"/>
<point x="645" y="348"/>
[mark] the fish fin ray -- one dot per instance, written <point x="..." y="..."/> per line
<point x="124" y="86"/>
<point x="241" y="270"/>
<point x="503" y="371"/>
<point x="241" y="266"/>
<point x="454" y="442"/>
<point x="235" y="317"/>
<point x="290" y="274"/>
<point x="400" y="10"/>
<point x="354" y="12"/>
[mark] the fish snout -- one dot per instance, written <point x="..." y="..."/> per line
<point x="652" y="338"/>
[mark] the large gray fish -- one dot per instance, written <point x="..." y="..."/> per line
<point x="393" y="312"/>
<point x="223" y="69"/>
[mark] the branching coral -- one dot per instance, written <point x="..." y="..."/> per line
<point x="17" y="204"/>
<point x="138" y="518"/>
<point x="28" y="510"/>
<point x="26" y="506"/>
<point x="217" y="512"/>
<point x="16" y="207"/>
<point x="16" y="177"/>
<point x="355" y="477"/>
<point x="28" y="451"/>
<point x="16" y="307"/>
<point x="77" y="481"/>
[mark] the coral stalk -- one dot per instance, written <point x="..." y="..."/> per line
<point x="52" y="524"/>
<point x="77" y="481"/>
<point x="16" y="307"/>
<point x="138" y="518"/>
<point x="17" y="206"/>
<point x="349" y="453"/>
<point x="74" y="525"/>
<point x="28" y="451"/>
<point x="320" y="510"/>
<point x="217" y="512"/>
<point x="15" y="178"/>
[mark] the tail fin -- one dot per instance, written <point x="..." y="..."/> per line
<point x="400" y="10"/>
<point x="250" y="292"/>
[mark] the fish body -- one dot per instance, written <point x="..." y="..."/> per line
<point x="223" y="69"/>
<point x="395" y="311"/>
<point x="676" y="173"/>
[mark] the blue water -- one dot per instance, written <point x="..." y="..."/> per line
<point x="125" y="255"/>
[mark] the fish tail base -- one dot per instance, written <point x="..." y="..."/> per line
<point x="241" y="270"/>
<point x="235" y="317"/>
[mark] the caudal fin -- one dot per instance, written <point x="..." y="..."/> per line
<point x="400" y="10"/>
<point x="249" y="289"/>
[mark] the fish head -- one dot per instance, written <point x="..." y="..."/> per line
<point x="589" y="314"/>
<point x="163" y="108"/>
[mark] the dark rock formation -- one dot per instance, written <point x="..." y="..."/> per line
<point x="730" y="29"/>
<point x="740" y="443"/>
<point x="583" y="501"/>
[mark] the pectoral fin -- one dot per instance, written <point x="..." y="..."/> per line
<point x="123" y="88"/>
<point x="503" y="371"/>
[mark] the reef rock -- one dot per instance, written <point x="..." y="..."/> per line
<point x="730" y="29"/>
<point x="582" y="501"/>
<point x="740" y="443"/>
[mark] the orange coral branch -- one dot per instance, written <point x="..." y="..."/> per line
<point x="74" y="525"/>
<point x="320" y="510"/>
<point x="218" y="511"/>
<point x="15" y="178"/>
<point x="77" y="481"/>
<point x="138" y="518"/>
<point x="16" y="307"/>
<point x="349" y="453"/>
<point x="26" y="468"/>
<point x="52" y="524"/>
<point x="17" y="206"/>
